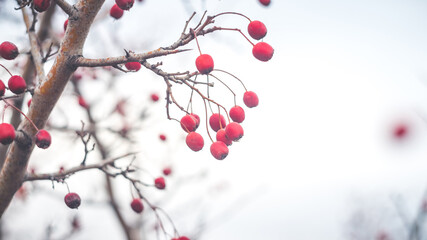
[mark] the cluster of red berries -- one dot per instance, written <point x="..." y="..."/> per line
<point x="117" y="10"/>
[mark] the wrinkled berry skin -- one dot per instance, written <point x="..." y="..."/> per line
<point x="72" y="200"/>
<point x="189" y="123"/>
<point x="217" y="121"/>
<point x="43" y="139"/>
<point x="7" y="133"/>
<point x="237" y="114"/>
<point x="194" y="141"/>
<point x="222" y="136"/>
<point x="137" y="205"/>
<point x="204" y="63"/>
<point x="263" y="51"/>
<point x="234" y="131"/>
<point x="8" y="50"/>
<point x="250" y="99"/>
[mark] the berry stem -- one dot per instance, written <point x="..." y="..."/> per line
<point x="235" y="13"/>
<point x="6" y="69"/>
<point x="23" y="114"/>
<point x="238" y="30"/>
<point x="206" y="120"/>
<point x="238" y="79"/>
<point x="234" y="95"/>
<point x="197" y="41"/>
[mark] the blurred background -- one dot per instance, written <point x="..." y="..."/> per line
<point x="335" y="149"/>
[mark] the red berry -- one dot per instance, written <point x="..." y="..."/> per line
<point x="17" y="84"/>
<point x="237" y="114"/>
<point x="189" y="123"/>
<point x="265" y="2"/>
<point x="43" y="139"/>
<point x="257" y="30"/>
<point x="133" y="66"/>
<point x="217" y="121"/>
<point x="159" y="183"/>
<point x="167" y="171"/>
<point x="400" y="131"/>
<point x="65" y="24"/>
<point x="183" y="238"/>
<point x="219" y="150"/>
<point x="2" y="88"/>
<point x="82" y="102"/>
<point x="204" y="63"/>
<point x="29" y="102"/>
<point x="8" y="50"/>
<point x="234" y="131"/>
<point x="250" y="99"/>
<point x="72" y="200"/>
<point x="262" y="51"/>
<point x="222" y="136"/>
<point x="116" y="12"/>
<point x="197" y="119"/>
<point x="136" y="205"/>
<point x="162" y="137"/>
<point x="125" y="4"/>
<point x="194" y="141"/>
<point x="7" y="133"/>
<point x="41" y="5"/>
<point x="154" y="97"/>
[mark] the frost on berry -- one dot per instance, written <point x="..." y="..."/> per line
<point x="204" y="63"/>
<point x="2" y="88"/>
<point x="8" y="50"/>
<point x="7" y="133"/>
<point x="137" y="205"/>
<point x="250" y="99"/>
<point x="72" y="200"/>
<point x="133" y="66"/>
<point x="125" y="4"/>
<point x="217" y="121"/>
<point x="159" y="183"/>
<point x="189" y="123"/>
<point x="17" y="84"/>
<point x="116" y="12"/>
<point x="237" y="114"/>
<point x="43" y="139"/>
<point x="219" y="150"/>
<point x="234" y="131"/>
<point x="194" y="141"/>
<point x="222" y="136"/>
<point x="41" y="5"/>
<point x="262" y="51"/>
<point x="257" y="30"/>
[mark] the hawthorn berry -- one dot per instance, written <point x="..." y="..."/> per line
<point x="8" y="50"/>
<point x="72" y="200"/>
<point x="234" y="131"/>
<point x="162" y="137"/>
<point x="133" y="66"/>
<point x="116" y="12"/>
<point x="181" y="238"/>
<point x="41" y="5"/>
<point x="204" y="63"/>
<point x="194" y="141"/>
<point x="159" y="183"/>
<point x="136" y="205"/>
<point x="154" y="97"/>
<point x="400" y="131"/>
<point x="250" y="99"/>
<point x="222" y="136"/>
<point x="29" y="102"/>
<point x="2" y="88"/>
<point x="43" y="139"/>
<point x="189" y="123"/>
<point x="219" y="150"/>
<point x="257" y="30"/>
<point x="125" y="4"/>
<point x="82" y="102"/>
<point x="265" y="2"/>
<point x="65" y="25"/>
<point x="7" y="133"/>
<point x="237" y="114"/>
<point x="217" y="121"/>
<point x="17" y="84"/>
<point x="167" y="171"/>
<point x="262" y="51"/>
<point x="197" y="119"/>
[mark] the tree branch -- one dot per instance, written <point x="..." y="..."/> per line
<point x="67" y="8"/>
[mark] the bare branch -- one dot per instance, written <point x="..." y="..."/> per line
<point x="67" y="8"/>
